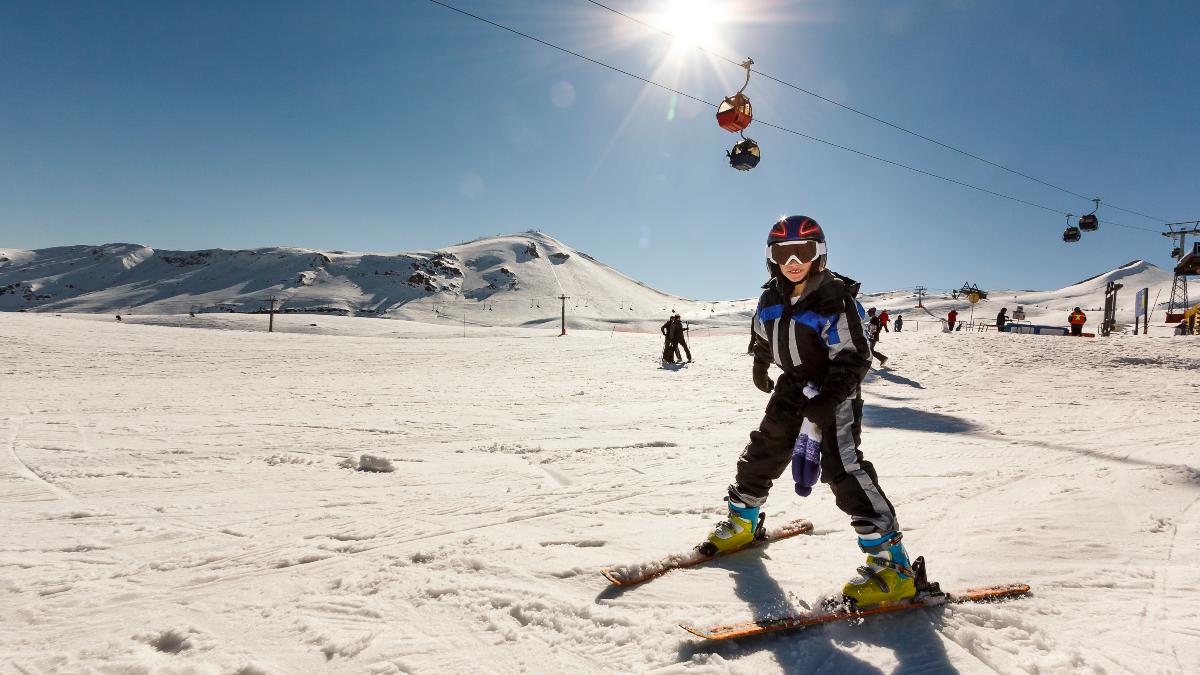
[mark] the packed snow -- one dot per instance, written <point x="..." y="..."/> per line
<point x="438" y="492"/>
<point x="185" y="495"/>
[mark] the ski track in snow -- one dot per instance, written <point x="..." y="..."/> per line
<point x="173" y="502"/>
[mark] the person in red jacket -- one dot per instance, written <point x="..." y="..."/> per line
<point x="1077" y="319"/>
<point x="951" y="318"/>
<point x="883" y="321"/>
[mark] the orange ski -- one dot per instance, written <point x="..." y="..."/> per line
<point x="630" y="575"/>
<point x="928" y="598"/>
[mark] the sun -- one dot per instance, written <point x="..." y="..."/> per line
<point x="694" y="22"/>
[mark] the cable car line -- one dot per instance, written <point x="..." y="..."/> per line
<point x="910" y="168"/>
<point x="568" y="51"/>
<point x="775" y="126"/>
<point x="873" y="117"/>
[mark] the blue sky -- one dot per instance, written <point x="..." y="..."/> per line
<point x="389" y="126"/>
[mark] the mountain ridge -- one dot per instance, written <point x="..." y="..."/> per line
<point x="513" y="279"/>
<point x="523" y="275"/>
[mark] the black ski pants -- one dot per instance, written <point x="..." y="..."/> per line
<point x="682" y="343"/>
<point x="670" y="352"/>
<point x="853" y="480"/>
<point x="877" y="354"/>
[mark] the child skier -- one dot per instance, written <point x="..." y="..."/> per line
<point x="810" y="326"/>
<point x="874" y="324"/>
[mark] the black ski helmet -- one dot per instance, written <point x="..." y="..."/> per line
<point x="795" y="228"/>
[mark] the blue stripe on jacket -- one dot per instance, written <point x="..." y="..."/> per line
<point x="770" y="313"/>
<point x="821" y="324"/>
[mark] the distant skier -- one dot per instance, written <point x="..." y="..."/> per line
<point x="118" y="317"/>
<point x="810" y="326"/>
<point x="873" y="336"/>
<point x="951" y="318"/>
<point x="883" y="321"/>
<point x="1077" y="319"/>
<point x="669" y="350"/>
<point x="678" y="336"/>
<point x="899" y="323"/>
<point x="673" y="333"/>
<point x="1002" y="319"/>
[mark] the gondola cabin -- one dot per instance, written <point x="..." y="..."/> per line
<point x="1071" y="234"/>
<point x="1089" y="223"/>
<point x="745" y="155"/>
<point x="735" y="113"/>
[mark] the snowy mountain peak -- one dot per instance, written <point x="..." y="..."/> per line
<point x="515" y="278"/>
<point x="1134" y="271"/>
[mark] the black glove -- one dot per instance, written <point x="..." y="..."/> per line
<point x="821" y="409"/>
<point x="763" y="381"/>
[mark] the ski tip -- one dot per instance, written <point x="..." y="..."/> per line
<point x="698" y="632"/>
<point x="612" y="577"/>
<point x="991" y="593"/>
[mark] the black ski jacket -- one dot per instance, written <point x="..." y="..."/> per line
<point x="675" y="332"/>
<point x="672" y="330"/>
<point x="818" y="339"/>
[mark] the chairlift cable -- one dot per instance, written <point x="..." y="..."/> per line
<point x="906" y="166"/>
<point x="870" y="116"/>
<point x="769" y="124"/>
<point x="568" y="51"/>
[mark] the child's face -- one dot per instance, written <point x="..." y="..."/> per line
<point x="796" y="271"/>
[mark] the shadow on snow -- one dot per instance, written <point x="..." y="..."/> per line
<point x="889" y="376"/>
<point x="913" y="419"/>
<point x="913" y="640"/>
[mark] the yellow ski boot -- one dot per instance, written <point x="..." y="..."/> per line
<point x="734" y="532"/>
<point x="886" y="579"/>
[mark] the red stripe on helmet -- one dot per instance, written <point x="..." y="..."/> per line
<point x="780" y="230"/>
<point x="808" y="226"/>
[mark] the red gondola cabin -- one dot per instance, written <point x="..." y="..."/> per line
<point x="735" y="113"/>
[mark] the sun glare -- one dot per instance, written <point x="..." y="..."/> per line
<point x="692" y="21"/>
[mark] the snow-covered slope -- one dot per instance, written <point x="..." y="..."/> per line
<point x="174" y="501"/>
<point x="1042" y="307"/>
<point x="507" y="280"/>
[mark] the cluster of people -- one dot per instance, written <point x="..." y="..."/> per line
<point x="883" y="322"/>
<point x="673" y="338"/>
<point x="1077" y="319"/>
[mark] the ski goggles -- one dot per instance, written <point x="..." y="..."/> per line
<point x="802" y="251"/>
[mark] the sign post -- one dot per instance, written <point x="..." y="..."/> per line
<point x="1141" y="310"/>
<point x="1110" y="309"/>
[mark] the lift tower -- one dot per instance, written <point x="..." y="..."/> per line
<point x="1187" y="263"/>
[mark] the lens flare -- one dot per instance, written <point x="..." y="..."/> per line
<point x="693" y="22"/>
